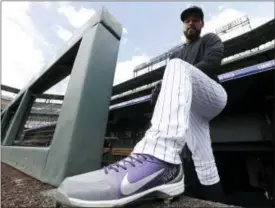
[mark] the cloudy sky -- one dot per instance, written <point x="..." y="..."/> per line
<point x="33" y="32"/>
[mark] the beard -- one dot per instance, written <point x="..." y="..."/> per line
<point x="192" y="33"/>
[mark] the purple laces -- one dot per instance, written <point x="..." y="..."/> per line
<point x="130" y="160"/>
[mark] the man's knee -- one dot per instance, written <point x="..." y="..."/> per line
<point x="176" y="62"/>
<point x="177" y="67"/>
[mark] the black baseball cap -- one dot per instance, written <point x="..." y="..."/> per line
<point x="194" y="10"/>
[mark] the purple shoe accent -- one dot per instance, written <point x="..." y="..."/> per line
<point x="126" y="162"/>
<point x="138" y="167"/>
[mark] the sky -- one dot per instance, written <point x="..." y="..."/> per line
<point x="34" y="32"/>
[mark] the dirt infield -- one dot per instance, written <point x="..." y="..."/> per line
<point x="21" y="190"/>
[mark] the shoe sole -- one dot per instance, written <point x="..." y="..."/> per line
<point x="164" y="191"/>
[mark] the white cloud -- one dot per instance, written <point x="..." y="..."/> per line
<point x="63" y="33"/>
<point x="201" y="6"/>
<point x="22" y="47"/>
<point x="76" y="17"/>
<point x="137" y="50"/>
<point x="222" y="7"/>
<point x="22" y="57"/>
<point x="124" y="40"/>
<point x="125" y="31"/>
<point x="124" y="70"/>
<point x="225" y="16"/>
<point x="256" y="22"/>
<point x="45" y="4"/>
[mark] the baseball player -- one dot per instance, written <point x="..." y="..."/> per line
<point x="190" y="96"/>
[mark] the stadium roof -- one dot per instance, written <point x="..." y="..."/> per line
<point x="43" y="96"/>
<point x="251" y="39"/>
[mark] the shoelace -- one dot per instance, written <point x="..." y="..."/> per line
<point x="130" y="160"/>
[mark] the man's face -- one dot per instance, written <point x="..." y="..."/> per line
<point x="192" y="27"/>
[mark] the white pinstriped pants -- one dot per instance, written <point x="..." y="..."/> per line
<point x="187" y="101"/>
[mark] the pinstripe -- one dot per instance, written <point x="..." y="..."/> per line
<point x="188" y="100"/>
<point x="200" y="144"/>
<point x="197" y="132"/>
<point x="167" y="133"/>
<point x="163" y="102"/>
<point x="154" y="114"/>
<point x="177" y="113"/>
<point x="186" y="104"/>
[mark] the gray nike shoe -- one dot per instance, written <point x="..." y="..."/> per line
<point x="121" y="183"/>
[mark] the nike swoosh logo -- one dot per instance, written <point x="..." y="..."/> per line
<point x="128" y="188"/>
